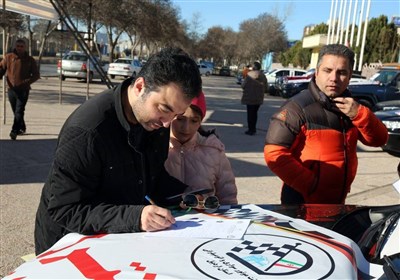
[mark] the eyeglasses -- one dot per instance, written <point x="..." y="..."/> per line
<point x="191" y="200"/>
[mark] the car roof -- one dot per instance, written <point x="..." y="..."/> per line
<point x="295" y="69"/>
<point x="390" y="66"/>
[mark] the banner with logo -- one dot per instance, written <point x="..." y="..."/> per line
<point x="273" y="246"/>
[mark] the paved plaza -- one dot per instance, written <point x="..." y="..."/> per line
<point x="24" y="163"/>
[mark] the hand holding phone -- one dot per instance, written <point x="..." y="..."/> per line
<point x="347" y="106"/>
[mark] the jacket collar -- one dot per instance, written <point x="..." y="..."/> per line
<point x="119" y="91"/>
<point x="173" y="143"/>
<point x="136" y="133"/>
<point x="198" y="140"/>
<point x="25" y="54"/>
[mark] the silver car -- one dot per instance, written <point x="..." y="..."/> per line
<point x="75" y="65"/>
<point x="205" y="69"/>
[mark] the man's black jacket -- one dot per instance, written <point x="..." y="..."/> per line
<point x="102" y="170"/>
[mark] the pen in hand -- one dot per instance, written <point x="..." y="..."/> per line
<point x="153" y="203"/>
<point x="149" y="200"/>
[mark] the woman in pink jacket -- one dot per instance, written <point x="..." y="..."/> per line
<point x="197" y="157"/>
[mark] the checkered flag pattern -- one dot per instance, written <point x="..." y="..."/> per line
<point x="248" y="247"/>
<point x="239" y="213"/>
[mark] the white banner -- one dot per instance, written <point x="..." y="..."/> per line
<point x="274" y="246"/>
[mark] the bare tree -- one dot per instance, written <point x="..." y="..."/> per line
<point x="13" y="23"/>
<point x="262" y="35"/>
<point x="159" y="25"/>
<point x="194" y="33"/>
<point x="42" y="30"/>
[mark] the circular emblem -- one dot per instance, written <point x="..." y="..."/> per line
<point x="262" y="256"/>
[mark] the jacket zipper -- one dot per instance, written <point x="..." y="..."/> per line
<point x="345" y="158"/>
<point x="144" y="181"/>
<point x="181" y="155"/>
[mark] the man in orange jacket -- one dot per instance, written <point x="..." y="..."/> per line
<point x="312" y="140"/>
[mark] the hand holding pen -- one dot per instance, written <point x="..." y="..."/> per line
<point x="155" y="218"/>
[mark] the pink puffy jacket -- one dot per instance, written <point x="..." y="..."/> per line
<point x="201" y="163"/>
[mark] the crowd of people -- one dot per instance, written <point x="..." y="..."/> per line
<point x="127" y="156"/>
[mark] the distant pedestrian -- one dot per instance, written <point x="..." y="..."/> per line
<point x="22" y="71"/>
<point x="254" y="86"/>
<point x="245" y="71"/>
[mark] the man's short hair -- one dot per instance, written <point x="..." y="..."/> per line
<point x="256" y="65"/>
<point x="338" y="50"/>
<point x="172" y="65"/>
<point x="20" y="41"/>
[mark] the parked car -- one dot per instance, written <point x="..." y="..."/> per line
<point x="387" y="105"/>
<point x="289" y="86"/>
<point x="277" y="73"/>
<point x="383" y="86"/>
<point x="125" y="67"/>
<point x="239" y="78"/>
<point x="205" y="69"/>
<point x="391" y="119"/>
<point x="225" y="71"/>
<point x="74" y="65"/>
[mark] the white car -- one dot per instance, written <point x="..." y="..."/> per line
<point x="274" y="74"/>
<point x="205" y="70"/>
<point x="126" y="67"/>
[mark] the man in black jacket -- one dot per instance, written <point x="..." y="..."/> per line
<point x="111" y="152"/>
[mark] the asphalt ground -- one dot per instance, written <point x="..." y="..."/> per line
<point x="24" y="163"/>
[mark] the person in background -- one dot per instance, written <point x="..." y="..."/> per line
<point x="311" y="142"/>
<point x="197" y="157"/>
<point x="254" y="86"/>
<point x="245" y="71"/>
<point x="22" y="71"/>
<point x="109" y="160"/>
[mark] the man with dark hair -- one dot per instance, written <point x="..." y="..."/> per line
<point x="21" y="72"/>
<point x="111" y="152"/>
<point x="254" y="86"/>
<point x="311" y="142"/>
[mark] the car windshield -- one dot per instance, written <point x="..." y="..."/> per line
<point x="77" y="57"/>
<point x="124" y="61"/>
<point x="270" y="71"/>
<point x="309" y="72"/>
<point x="384" y="77"/>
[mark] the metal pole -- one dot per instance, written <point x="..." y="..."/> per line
<point x="354" y="23"/>
<point x="334" y="23"/>
<point x="61" y="29"/>
<point x="346" y="38"/>
<point x="343" y="20"/>
<point x="360" y="23"/>
<point x="89" y="43"/>
<point x="330" y="23"/>
<point x="339" y="22"/>
<point x="364" y="36"/>
<point x="4" y="55"/>
<point x="358" y="35"/>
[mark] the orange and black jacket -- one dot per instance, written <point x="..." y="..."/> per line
<point x="312" y="146"/>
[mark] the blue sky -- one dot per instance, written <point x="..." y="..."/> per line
<point x="230" y="13"/>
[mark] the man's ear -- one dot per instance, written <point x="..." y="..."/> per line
<point x="138" y="86"/>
